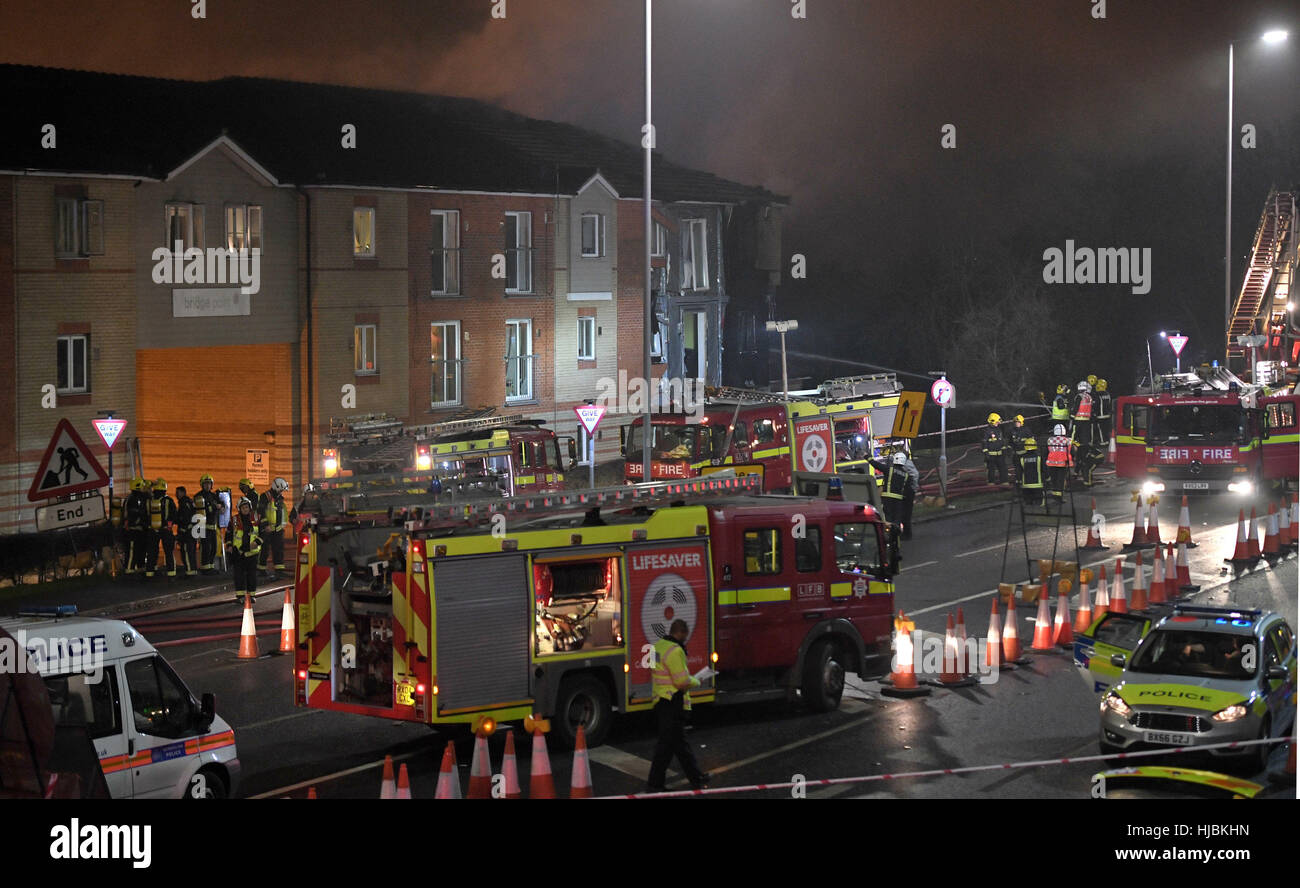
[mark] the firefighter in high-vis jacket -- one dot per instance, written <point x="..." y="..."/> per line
<point x="185" y="540"/>
<point x="136" y="517"/>
<point x="162" y="516"/>
<point x="208" y="504"/>
<point x="1060" y="405"/>
<point x="1030" y="477"/>
<point x="995" y="448"/>
<point x="1059" y="460"/>
<point x="670" y="685"/>
<point x="1102" y="413"/>
<point x="245" y="544"/>
<point x="273" y="514"/>
<point x="896" y="488"/>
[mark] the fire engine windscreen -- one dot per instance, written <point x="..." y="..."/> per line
<point x="577" y="605"/>
<point x="679" y="441"/>
<point x="1200" y="423"/>
<point x="859" y="549"/>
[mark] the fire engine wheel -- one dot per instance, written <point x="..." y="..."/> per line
<point x="823" y="677"/>
<point x="583" y="701"/>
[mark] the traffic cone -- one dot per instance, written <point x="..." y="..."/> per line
<point x="248" y="632"/>
<point x="1094" y="533"/>
<point x="1061" y="632"/>
<point x="1102" y="602"/>
<point x="1042" y="627"/>
<point x="311" y="792"/>
<point x="403" y="783"/>
<point x="1284" y="537"/>
<point x="1253" y="535"/>
<point x="286" y="625"/>
<point x="510" y="769"/>
<point x="1270" y="550"/>
<point x="1139" y="600"/>
<point x="1157" y="593"/>
<point x="580" y="781"/>
<point x="1295" y="521"/>
<point x="902" y="680"/>
<point x="448" y="779"/>
<point x="1110" y="453"/>
<point x="993" y="643"/>
<point x="480" y="769"/>
<point x="540" y="783"/>
<point x="1153" y="522"/>
<point x="951" y="676"/>
<point x="1184" y="573"/>
<point x="1184" y="525"/>
<point x="963" y="667"/>
<point x="1083" y="617"/>
<point x="388" y="788"/>
<point x="1011" y="640"/>
<point x="1241" y="554"/>
<point x="1118" y="597"/>
<point x="1139" y="527"/>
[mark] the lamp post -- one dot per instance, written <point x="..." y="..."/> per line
<point x="648" y="143"/>
<point x="1151" y="376"/>
<point x="1272" y="37"/>
<point x="783" y="327"/>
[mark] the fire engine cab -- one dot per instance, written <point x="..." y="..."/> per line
<point x="1205" y="432"/>
<point x="551" y="605"/>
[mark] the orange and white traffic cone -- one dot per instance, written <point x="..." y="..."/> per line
<point x="1157" y="592"/>
<point x="1184" y="573"/>
<point x="403" y="783"/>
<point x="1101" y="603"/>
<point x="510" y="770"/>
<point x="248" y="632"/>
<point x="1241" y="554"/>
<point x="1042" y="627"/>
<point x="540" y="783"/>
<point x="1139" y="600"/>
<point x="1083" y="617"/>
<point x="1184" y="525"/>
<point x="1094" y="529"/>
<point x="1139" y="526"/>
<point x="1110" y="453"/>
<point x="580" y="781"/>
<point x="951" y="676"/>
<point x="311" y="792"/>
<point x="902" y="680"/>
<point x="1118" y="597"/>
<point x="1295" y="521"/>
<point x="963" y="667"/>
<point x="1270" y="550"/>
<point x="448" y="779"/>
<point x="286" y="625"/>
<point x="1011" y="652"/>
<point x="1254" y="532"/>
<point x="1284" y="537"/>
<point x="1061" y="631"/>
<point x="1153" y="522"/>
<point x="993" y="642"/>
<point x="388" y="788"/>
<point x="480" y="769"/>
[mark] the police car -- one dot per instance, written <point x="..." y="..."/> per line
<point x="1201" y="676"/>
<point x="153" y="739"/>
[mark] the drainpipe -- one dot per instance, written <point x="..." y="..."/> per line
<point x="311" y="354"/>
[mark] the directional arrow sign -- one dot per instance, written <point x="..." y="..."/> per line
<point x="1177" y="343"/>
<point x="108" y="430"/>
<point x="590" y="416"/>
<point x="67" y="467"/>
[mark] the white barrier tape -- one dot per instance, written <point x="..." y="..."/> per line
<point x="939" y="772"/>
<point x="984" y="426"/>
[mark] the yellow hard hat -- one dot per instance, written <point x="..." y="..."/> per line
<point x="1092" y="379"/>
<point x="159" y="484"/>
<point x="1020" y="420"/>
<point x="137" y="483"/>
<point x="993" y="417"/>
<point x="1101" y="385"/>
<point x="207" y="478"/>
<point x="1062" y="389"/>
<point x="246" y="482"/>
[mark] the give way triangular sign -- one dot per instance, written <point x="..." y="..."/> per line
<point x="67" y="467"/>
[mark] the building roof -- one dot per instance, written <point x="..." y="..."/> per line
<point x="114" y="124"/>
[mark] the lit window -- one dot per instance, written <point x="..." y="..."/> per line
<point x="695" y="255"/>
<point x="364" y="351"/>
<point x="184" y="225"/>
<point x="243" y="227"/>
<point x="363" y="231"/>
<point x="661" y="240"/>
<point x="519" y="360"/>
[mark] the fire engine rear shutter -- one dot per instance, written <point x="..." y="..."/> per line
<point x="483" y="630"/>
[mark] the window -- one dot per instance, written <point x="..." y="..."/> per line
<point x="764" y="431"/>
<point x="661" y="241"/>
<point x="519" y="252"/>
<point x="160" y="703"/>
<point x="1135" y="419"/>
<point x="76" y="701"/>
<point x="243" y="227"/>
<point x="364" y="351"/>
<point x="445" y="255"/>
<point x="695" y="255"/>
<point x="184" y="225"/>
<point x="79" y="227"/>
<point x="808" y="551"/>
<point x="858" y="548"/>
<point x="762" y="552"/>
<point x="73" y="364"/>
<point x="587" y="338"/>
<point x="593" y="235"/>
<point x="444" y="350"/>
<point x="578" y="605"/>
<point x="363" y="231"/>
<point x="519" y="360"/>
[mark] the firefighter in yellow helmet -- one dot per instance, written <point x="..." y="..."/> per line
<point x="995" y="450"/>
<point x="1101" y="413"/>
<point x="1030" y="477"/>
<point x="274" y="515"/>
<point x="1061" y="404"/>
<point x="136" y="518"/>
<point x="670" y="685"/>
<point x="245" y="544"/>
<point x="207" y="503"/>
<point x="162" y="518"/>
<point x="1016" y="440"/>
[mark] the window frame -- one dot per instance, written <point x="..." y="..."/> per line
<point x="812" y="532"/>
<point x="447" y="252"/>
<point x="195" y="224"/>
<point x="370" y="251"/>
<point x="447" y="338"/>
<point x="524" y="359"/>
<point x="72" y="388"/>
<point x="659" y="243"/>
<point x="360" y="339"/>
<point x="249" y="232"/>
<point x="699" y="278"/>
<point x="776" y="536"/>
<point x="513" y="218"/>
<point x="588" y="321"/>
<point x="598" y="235"/>
<point x="76" y="243"/>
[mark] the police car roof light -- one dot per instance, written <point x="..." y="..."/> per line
<point x="1216" y="611"/>
<point x="49" y="610"/>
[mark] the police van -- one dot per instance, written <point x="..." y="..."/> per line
<point x="152" y="738"/>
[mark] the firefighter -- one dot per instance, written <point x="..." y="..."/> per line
<point x="137" y="527"/>
<point x="670" y="686"/>
<point x="245" y="544"/>
<point x="1060" y="406"/>
<point x="1059" y="460"/>
<point x="896" y="490"/>
<point x="1030" y="478"/>
<point x="185" y="540"/>
<point x="273" y="515"/>
<point x="250" y="493"/>
<point x="162" y="516"/>
<point x="208" y="504"/>
<point x="1018" y="435"/>
<point x="1081" y="422"/>
<point x="1101" y="413"/>
<point x="995" y="449"/>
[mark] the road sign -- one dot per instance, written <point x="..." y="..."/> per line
<point x="590" y="416"/>
<point x="70" y="514"/>
<point x="1177" y="343"/>
<point x="907" y="419"/>
<point x="257" y="466"/>
<point x="108" y="430"/>
<point x="67" y="467"/>
<point x="943" y="393"/>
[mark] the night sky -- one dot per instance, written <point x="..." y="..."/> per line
<point x="1110" y="132"/>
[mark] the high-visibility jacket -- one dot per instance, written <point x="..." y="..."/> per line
<point x="1031" y="470"/>
<point x="670" y="675"/>
<point x="1060" y="409"/>
<point x="896" y="481"/>
<point x="1102" y="410"/>
<point x="271" y="508"/>
<point x="1082" y="408"/>
<point x="244" y="536"/>
<point x="1058" y="451"/>
<point x="162" y="512"/>
<point x="993" y="442"/>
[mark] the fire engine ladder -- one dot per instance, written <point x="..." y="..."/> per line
<point x="1253" y="306"/>
<point x="1044" y="517"/>
<point x="363" y="429"/>
<point x="845" y="387"/>
<point x="470" y="424"/>
<point x="731" y="394"/>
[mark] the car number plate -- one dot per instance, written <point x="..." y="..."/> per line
<point x="1196" y="485"/>
<point x="1167" y="738"/>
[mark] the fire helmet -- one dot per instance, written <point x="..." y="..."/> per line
<point x="1092" y="379"/>
<point x="1020" y="420"/>
<point x="160" y="485"/>
<point x="994" y="418"/>
<point x="206" y="479"/>
<point x="1101" y="385"/>
<point x="1058" y="429"/>
<point x="1062" y="389"/>
<point x="899" y="458"/>
<point x="279" y="485"/>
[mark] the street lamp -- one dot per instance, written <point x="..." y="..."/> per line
<point x="1151" y="376"/>
<point x="783" y="327"/>
<point x="647" y="142"/>
<point x="1271" y="38"/>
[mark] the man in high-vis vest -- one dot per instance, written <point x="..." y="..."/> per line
<point x="1030" y="474"/>
<point x="274" y="515"/>
<point x="1059" y="460"/>
<point x="245" y="544"/>
<point x="670" y="684"/>
<point x="208" y="504"/>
